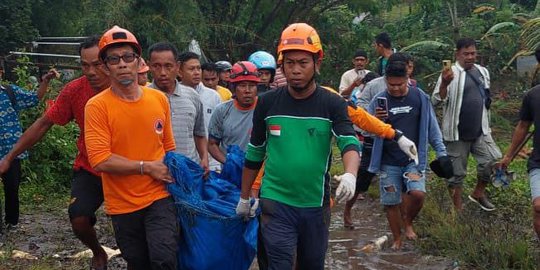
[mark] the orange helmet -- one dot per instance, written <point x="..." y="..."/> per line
<point x="300" y="36"/>
<point x="117" y="35"/>
<point x="143" y="67"/>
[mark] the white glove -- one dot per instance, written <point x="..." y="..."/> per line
<point x="253" y="209"/>
<point x="346" y="188"/>
<point x="409" y="148"/>
<point x="242" y="208"/>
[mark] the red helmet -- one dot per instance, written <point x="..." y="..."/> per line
<point x="117" y="35"/>
<point x="244" y="71"/>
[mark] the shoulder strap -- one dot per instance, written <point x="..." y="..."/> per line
<point x="476" y="80"/>
<point x="11" y="94"/>
<point x="484" y="91"/>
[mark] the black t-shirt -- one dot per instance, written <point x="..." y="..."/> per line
<point x="403" y="114"/>
<point x="472" y="105"/>
<point x="530" y="112"/>
<point x="262" y="89"/>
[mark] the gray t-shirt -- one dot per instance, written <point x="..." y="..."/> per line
<point x="187" y="119"/>
<point x="231" y="125"/>
<point x="470" y="116"/>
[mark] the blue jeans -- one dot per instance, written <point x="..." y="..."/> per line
<point x="534" y="178"/>
<point x="395" y="179"/>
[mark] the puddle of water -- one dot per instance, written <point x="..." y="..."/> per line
<point x="345" y="245"/>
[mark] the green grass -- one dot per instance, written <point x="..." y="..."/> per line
<point x="502" y="239"/>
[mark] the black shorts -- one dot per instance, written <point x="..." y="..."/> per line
<point x="148" y="238"/>
<point x="86" y="195"/>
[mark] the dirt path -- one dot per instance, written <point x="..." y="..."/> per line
<point x="48" y="236"/>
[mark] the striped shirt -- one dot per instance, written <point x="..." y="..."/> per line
<point x="187" y="119"/>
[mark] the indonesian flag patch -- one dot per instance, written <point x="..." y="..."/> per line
<point x="275" y="130"/>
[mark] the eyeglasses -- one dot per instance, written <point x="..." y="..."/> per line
<point x="115" y="59"/>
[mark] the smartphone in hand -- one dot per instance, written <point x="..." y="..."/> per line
<point x="447" y="64"/>
<point x="382" y="103"/>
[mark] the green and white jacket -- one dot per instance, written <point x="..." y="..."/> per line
<point x="294" y="138"/>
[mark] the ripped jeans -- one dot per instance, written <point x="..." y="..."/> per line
<point x="395" y="179"/>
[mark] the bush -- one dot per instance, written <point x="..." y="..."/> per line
<point x="51" y="160"/>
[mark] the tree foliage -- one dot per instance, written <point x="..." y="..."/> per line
<point x="16" y="26"/>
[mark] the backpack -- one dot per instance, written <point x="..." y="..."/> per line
<point x="9" y="91"/>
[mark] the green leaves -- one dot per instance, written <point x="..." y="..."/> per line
<point x="15" y="24"/>
<point x="425" y="44"/>
<point x="495" y="28"/>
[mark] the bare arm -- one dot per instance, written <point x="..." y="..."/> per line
<point x="520" y="133"/>
<point x="44" y="84"/>
<point x="446" y="78"/>
<point x="120" y="165"/>
<point x="215" y="151"/>
<point x="248" y="176"/>
<point x="201" y="143"/>
<point x="29" y="138"/>
<point x="351" y="161"/>
<point x="348" y="90"/>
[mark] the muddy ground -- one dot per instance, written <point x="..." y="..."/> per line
<point x="48" y="236"/>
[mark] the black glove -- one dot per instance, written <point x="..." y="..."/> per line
<point x="442" y="167"/>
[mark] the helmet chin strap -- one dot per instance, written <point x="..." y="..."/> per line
<point x="305" y="87"/>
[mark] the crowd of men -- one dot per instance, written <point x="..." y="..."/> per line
<point x="382" y="122"/>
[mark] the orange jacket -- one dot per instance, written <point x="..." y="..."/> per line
<point x="370" y="123"/>
<point x="360" y="118"/>
<point x="366" y="121"/>
<point x="257" y="184"/>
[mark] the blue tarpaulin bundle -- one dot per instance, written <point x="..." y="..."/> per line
<point x="212" y="235"/>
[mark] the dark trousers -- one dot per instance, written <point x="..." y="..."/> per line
<point x="11" y="181"/>
<point x="148" y="238"/>
<point x="364" y="178"/>
<point x="262" y="259"/>
<point x="288" y="231"/>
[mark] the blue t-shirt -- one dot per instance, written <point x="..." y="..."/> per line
<point x="403" y="114"/>
<point x="10" y="127"/>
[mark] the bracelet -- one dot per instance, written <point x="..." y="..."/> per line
<point x="141" y="166"/>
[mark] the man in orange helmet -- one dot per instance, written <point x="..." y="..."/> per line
<point x="298" y="122"/>
<point x="292" y="132"/>
<point x="128" y="131"/>
<point x="143" y="73"/>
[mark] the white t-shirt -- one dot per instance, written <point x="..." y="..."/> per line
<point x="349" y="76"/>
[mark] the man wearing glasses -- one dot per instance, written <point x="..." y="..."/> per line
<point x="128" y="131"/>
